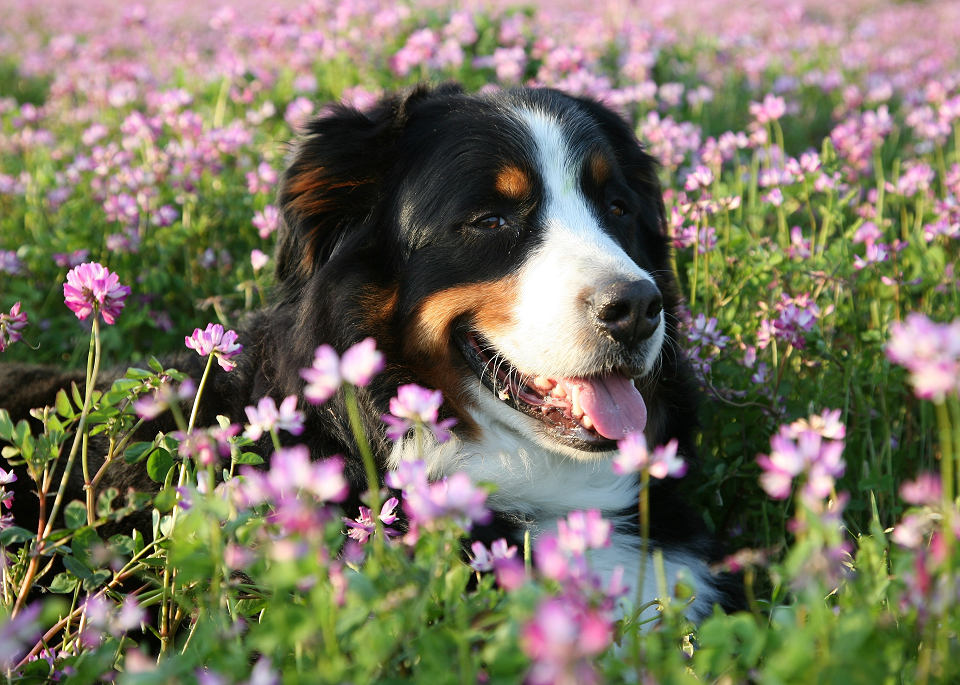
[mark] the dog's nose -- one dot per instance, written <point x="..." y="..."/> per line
<point x="628" y="311"/>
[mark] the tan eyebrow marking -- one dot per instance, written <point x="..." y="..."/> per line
<point x="599" y="167"/>
<point x="513" y="182"/>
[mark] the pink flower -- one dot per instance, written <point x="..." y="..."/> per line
<point x="925" y="490"/>
<point x="323" y="377"/>
<point x="931" y="352"/>
<point x="10" y="326"/>
<point x="267" y="221"/>
<point x="92" y="289"/>
<point x="362" y="527"/>
<point x="151" y="405"/>
<point x="812" y="447"/>
<point x="214" y="340"/>
<point x="583" y="530"/>
<point x="415" y="405"/>
<point x="361" y="362"/>
<point x="563" y="640"/>
<point x="267" y="417"/>
<point x="454" y="497"/>
<point x="258" y="259"/>
<point x="633" y="456"/>
<point x="771" y="109"/>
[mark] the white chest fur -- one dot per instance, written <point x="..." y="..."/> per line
<point x="541" y="486"/>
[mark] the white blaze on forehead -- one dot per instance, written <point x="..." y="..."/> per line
<point x="554" y="333"/>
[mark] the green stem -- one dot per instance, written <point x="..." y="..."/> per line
<point x="373" y="482"/>
<point x="196" y="400"/>
<point x="93" y="367"/>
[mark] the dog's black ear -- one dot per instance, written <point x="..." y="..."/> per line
<point x="335" y="178"/>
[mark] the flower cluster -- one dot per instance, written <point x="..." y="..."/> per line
<point x="359" y="364"/>
<point x="417" y="406"/>
<point x="103" y="616"/>
<point x="808" y="447"/>
<point x="452" y="497"/>
<point x="295" y="487"/>
<point x="10" y="326"/>
<point x="930" y="352"/>
<point x="93" y="289"/>
<point x="266" y="417"/>
<point x="633" y="456"/>
<point x="570" y="630"/>
<point x="795" y="317"/>
<point x="500" y="558"/>
<point x="6" y="498"/>
<point x="216" y="341"/>
<point x="363" y="526"/>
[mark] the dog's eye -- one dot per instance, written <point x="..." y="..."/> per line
<point x="490" y="223"/>
<point x="617" y="208"/>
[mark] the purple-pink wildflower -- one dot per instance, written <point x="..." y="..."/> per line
<point x="415" y="405"/>
<point x="359" y="364"/>
<point x="216" y="341"/>
<point x="925" y="490"/>
<point x="808" y="446"/>
<point x="563" y="640"/>
<point x="93" y="289"/>
<point x="362" y="527"/>
<point x="267" y="221"/>
<point x="266" y="417"/>
<point x="633" y="456"/>
<point x="454" y="497"/>
<point x="10" y="326"/>
<point x="930" y="352"/>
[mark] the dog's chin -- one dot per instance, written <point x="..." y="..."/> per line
<point x="582" y="417"/>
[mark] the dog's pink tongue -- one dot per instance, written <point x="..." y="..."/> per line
<point x="613" y="403"/>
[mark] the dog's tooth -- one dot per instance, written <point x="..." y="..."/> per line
<point x="504" y="395"/>
<point x="575" y="402"/>
<point x="586" y="421"/>
<point x="542" y="383"/>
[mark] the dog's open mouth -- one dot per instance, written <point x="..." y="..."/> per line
<point x="589" y="413"/>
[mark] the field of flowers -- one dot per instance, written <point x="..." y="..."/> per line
<point x="811" y="163"/>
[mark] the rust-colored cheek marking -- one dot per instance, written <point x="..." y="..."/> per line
<point x="488" y="305"/>
<point x="513" y="182"/>
<point x="599" y="168"/>
<point x="378" y="306"/>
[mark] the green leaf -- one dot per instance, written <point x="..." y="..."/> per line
<point x="6" y="425"/>
<point x="75" y="514"/>
<point x="138" y="374"/>
<point x="251" y="458"/>
<point x="77" y="568"/>
<point x="14" y="534"/>
<point x="165" y="499"/>
<point x="75" y="393"/>
<point x="105" y="502"/>
<point x="138" y="542"/>
<point x="137" y="452"/>
<point x="158" y="464"/>
<point x="63" y="583"/>
<point x="96" y="579"/>
<point x="64" y="408"/>
<point x="123" y="544"/>
<point x="84" y="540"/>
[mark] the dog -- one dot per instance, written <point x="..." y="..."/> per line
<point x="509" y="249"/>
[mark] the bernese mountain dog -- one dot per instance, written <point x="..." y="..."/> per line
<point x="509" y="249"/>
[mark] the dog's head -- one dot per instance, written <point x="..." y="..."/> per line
<point x="508" y="249"/>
